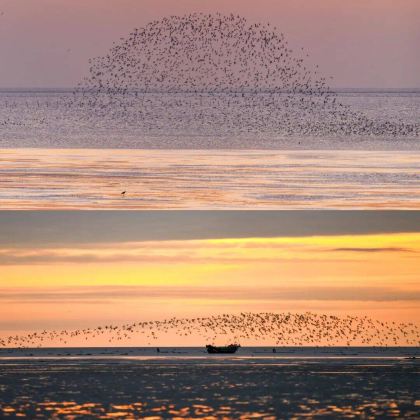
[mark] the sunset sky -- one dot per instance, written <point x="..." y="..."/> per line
<point x="58" y="280"/>
<point x="47" y="43"/>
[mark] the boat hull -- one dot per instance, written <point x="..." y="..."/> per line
<point x="233" y="348"/>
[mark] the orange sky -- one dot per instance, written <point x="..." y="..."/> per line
<point x="361" y="43"/>
<point x="97" y="283"/>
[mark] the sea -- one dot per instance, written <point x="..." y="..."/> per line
<point x="49" y="118"/>
<point x="51" y="157"/>
<point x="256" y="382"/>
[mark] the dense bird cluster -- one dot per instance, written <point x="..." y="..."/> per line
<point x="199" y="76"/>
<point x="295" y="329"/>
<point x="218" y="74"/>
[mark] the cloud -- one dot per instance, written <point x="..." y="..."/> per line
<point x="47" y="228"/>
<point x="228" y="252"/>
<point x="186" y="255"/>
<point x="375" y="249"/>
<point x="104" y="294"/>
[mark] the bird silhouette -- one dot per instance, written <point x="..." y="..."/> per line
<point x="284" y="328"/>
<point x="209" y="75"/>
<point x="214" y="73"/>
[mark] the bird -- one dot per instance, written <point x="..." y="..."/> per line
<point x="218" y="75"/>
<point x="282" y="328"/>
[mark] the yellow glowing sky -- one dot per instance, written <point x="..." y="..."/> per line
<point x="91" y="284"/>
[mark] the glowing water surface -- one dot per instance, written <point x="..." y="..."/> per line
<point x="208" y="179"/>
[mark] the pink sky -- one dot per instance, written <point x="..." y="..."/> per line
<point x="46" y="43"/>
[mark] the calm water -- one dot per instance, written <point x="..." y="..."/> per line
<point x="105" y="155"/>
<point x="208" y="179"/>
<point x="252" y="385"/>
<point x="188" y="121"/>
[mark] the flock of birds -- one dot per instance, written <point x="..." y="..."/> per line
<point x="286" y="329"/>
<point x="207" y="74"/>
<point x="198" y="73"/>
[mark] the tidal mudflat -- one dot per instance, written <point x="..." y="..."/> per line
<point x="233" y="387"/>
<point x="208" y="179"/>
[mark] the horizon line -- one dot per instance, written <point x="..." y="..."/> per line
<point x="250" y="90"/>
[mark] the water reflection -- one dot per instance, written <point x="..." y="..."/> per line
<point x="200" y="179"/>
<point x="77" y="389"/>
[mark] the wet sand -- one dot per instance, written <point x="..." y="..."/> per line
<point x="193" y="179"/>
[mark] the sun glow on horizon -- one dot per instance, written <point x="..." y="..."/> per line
<point x="100" y="282"/>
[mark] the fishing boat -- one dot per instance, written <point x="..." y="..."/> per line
<point x="231" y="348"/>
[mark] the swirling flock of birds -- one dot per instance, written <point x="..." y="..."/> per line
<point x="205" y="72"/>
<point x="286" y="329"/>
<point x="207" y="75"/>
